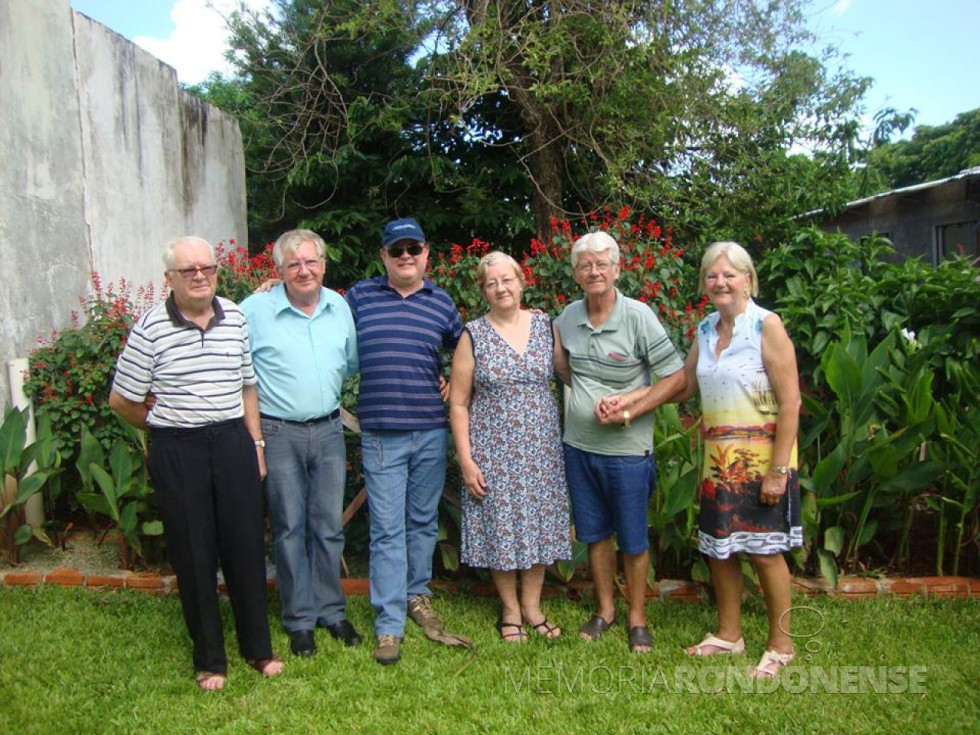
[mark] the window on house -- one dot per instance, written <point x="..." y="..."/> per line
<point x="957" y="238"/>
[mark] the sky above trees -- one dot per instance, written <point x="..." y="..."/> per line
<point x="921" y="54"/>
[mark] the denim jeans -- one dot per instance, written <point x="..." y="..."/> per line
<point x="307" y="466"/>
<point x="404" y="472"/>
<point x="611" y="493"/>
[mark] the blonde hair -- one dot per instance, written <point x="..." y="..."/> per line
<point x="739" y="258"/>
<point x="495" y="257"/>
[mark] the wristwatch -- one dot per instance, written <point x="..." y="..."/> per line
<point x="626" y="419"/>
<point x="783" y="470"/>
<point x="260" y="443"/>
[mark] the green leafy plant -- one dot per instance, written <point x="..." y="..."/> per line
<point x="958" y="422"/>
<point x="123" y="493"/>
<point x="673" y="512"/>
<point x="888" y="352"/>
<point x="824" y="283"/>
<point x="24" y="468"/>
<point x="870" y="437"/>
<point x="69" y="376"/>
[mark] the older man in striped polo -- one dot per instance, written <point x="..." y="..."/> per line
<point x="192" y="354"/>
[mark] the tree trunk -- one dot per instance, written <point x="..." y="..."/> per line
<point x="545" y="164"/>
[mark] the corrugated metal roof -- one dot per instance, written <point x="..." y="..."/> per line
<point x="964" y="174"/>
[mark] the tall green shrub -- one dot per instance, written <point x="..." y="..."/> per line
<point x="888" y="354"/>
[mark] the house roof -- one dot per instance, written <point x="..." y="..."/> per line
<point x="967" y="173"/>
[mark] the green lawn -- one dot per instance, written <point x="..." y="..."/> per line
<point x="83" y="661"/>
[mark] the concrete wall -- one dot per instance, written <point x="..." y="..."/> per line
<point x="43" y="235"/>
<point x="106" y="159"/>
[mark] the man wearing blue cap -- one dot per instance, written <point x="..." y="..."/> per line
<point x="403" y="323"/>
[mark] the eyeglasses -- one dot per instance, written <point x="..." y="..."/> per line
<point x="189" y="273"/>
<point x="397" y="251"/>
<point x="506" y="282"/>
<point x="312" y="264"/>
<point x="601" y="266"/>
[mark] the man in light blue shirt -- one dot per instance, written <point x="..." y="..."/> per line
<point x="304" y="345"/>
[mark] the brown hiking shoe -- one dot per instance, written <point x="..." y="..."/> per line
<point x="420" y="610"/>
<point x="386" y="651"/>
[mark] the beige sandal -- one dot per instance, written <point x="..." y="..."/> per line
<point x="726" y="647"/>
<point x="267" y="666"/>
<point x="210" y="681"/>
<point x="771" y="663"/>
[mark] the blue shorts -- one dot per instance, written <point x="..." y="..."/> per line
<point x="610" y="493"/>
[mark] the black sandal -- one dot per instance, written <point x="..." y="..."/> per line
<point x="596" y="626"/>
<point x="639" y="637"/>
<point x="515" y="632"/>
<point x="548" y="628"/>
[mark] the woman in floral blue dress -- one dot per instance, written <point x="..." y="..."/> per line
<point x="506" y="429"/>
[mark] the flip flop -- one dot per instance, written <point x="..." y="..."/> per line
<point x="266" y="666"/>
<point x="640" y="638"/>
<point x="549" y="630"/>
<point x="725" y="647"/>
<point x="596" y="626"/>
<point x="210" y="681"/>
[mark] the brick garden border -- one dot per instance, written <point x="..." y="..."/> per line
<point x="849" y="588"/>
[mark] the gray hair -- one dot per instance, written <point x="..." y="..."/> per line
<point x="496" y="257"/>
<point x="169" y="259"/>
<point x="595" y="242"/>
<point x="739" y="258"/>
<point x="289" y="242"/>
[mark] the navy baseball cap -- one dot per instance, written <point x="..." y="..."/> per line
<point x="401" y="229"/>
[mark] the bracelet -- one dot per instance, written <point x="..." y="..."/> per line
<point x="626" y="419"/>
<point x="260" y="443"/>
<point x="783" y="470"/>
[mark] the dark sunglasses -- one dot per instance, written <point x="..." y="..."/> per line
<point x="397" y="251"/>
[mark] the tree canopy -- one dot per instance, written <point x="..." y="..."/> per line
<point x="489" y="118"/>
<point x="934" y="152"/>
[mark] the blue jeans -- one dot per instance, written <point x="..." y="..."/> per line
<point x="404" y="472"/>
<point x="611" y="493"/>
<point x="307" y="466"/>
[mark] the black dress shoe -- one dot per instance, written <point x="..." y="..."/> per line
<point x="301" y="643"/>
<point x="344" y="631"/>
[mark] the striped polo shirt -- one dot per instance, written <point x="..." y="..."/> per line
<point x="400" y="341"/>
<point x="196" y="375"/>
<point x="630" y="350"/>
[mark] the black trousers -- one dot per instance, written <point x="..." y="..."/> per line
<point x="210" y="496"/>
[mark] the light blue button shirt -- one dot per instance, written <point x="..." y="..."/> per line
<point x="301" y="361"/>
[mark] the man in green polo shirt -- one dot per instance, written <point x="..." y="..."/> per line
<point x="612" y="344"/>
